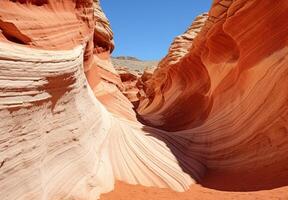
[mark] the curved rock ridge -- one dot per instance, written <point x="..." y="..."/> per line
<point x="228" y="95"/>
<point x="182" y="43"/>
<point x="35" y="23"/>
<point x="57" y="25"/>
<point x="178" y="49"/>
<point x="103" y="35"/>
<point x="59" y="142"/>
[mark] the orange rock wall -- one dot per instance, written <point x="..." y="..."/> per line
<point x="227" y="95"/>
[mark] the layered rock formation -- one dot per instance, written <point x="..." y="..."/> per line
<point x="57" y="140"/>
<point x="217" y="102"/>
<point x="132" y="72"/>
<point x="227" y="95"/>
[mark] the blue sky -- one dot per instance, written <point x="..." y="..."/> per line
<point x="145" y="29"/>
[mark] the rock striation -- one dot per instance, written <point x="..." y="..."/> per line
<point x="214" y="111"/>
<point x="67" y="130"/>
<point x="227" y="94"/>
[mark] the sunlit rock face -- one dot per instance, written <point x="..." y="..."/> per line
<point x="47" y="24"/>
<point x="67" y="131"/>
<point x="150" y="101"/>
<point x="217" y="101"/>
<point x="228" y="94"/>
<point x="182" y="44"/>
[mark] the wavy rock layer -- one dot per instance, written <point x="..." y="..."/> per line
<point x="218" y="103"/>
<point x="57" y="140"/>
<point x="182" y="44"/>
<point x="228" y="95"/>
<point x="35" y="23"/>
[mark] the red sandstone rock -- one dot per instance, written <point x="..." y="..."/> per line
<point x="218" y="102"/>
<point x="228" y="94"/>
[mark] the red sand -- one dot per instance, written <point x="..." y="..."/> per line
<point x="197" y="192"/>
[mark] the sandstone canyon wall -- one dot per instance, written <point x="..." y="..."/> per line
<point x="58" y="141"/>
<point x="217" y="101"/>
<point x="228" y="93"/>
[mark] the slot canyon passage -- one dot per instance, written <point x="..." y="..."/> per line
<point x="210" y="122"/>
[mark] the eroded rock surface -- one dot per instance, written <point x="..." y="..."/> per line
<point x="227" y="95"/>
<point x="67" y="130"/>
<point x="215" y="109"/>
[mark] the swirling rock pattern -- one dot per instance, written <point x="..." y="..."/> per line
<point x="214" y="110"/>
<point x="57" y="140"/>
<point x="228" y="94"/>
